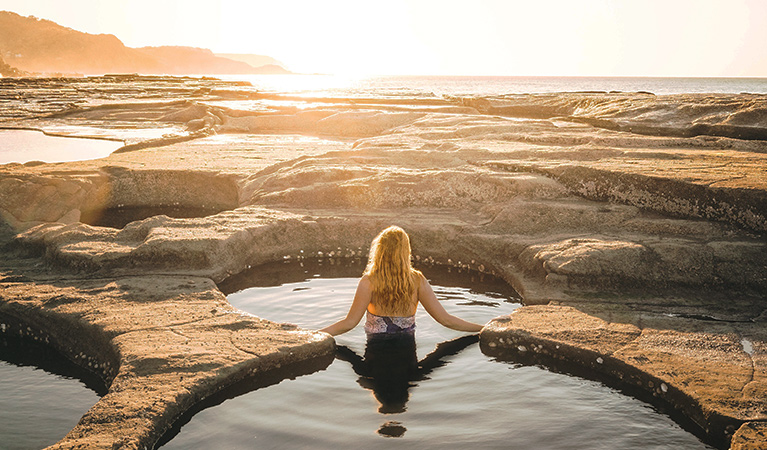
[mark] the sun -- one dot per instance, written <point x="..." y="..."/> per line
<point x="351" y="39"/>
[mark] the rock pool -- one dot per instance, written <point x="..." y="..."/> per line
<point x="42" y="394"/>
<point x="449" y="395"/>
<point x="22" y="146"/>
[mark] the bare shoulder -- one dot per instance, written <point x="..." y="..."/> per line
<point x="365" y="282"/>
<point x="419" y="275"/>
<point x="420" y="279"/>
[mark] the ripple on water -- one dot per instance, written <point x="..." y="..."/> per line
<point x="40" y="397"/>
<point x="455" y="398"/>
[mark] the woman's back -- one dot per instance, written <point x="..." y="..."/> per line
<point x="402" y="307"/>
<point x="390" y="290"/>
<point x="391" y="318"/>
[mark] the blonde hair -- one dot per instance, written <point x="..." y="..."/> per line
<point x="392" y="275"/>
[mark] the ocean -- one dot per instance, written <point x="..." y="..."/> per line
<point x="419" y="86"/>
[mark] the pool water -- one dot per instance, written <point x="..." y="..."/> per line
<point x="438" y="391"/>
<point x="42" y="395"/>
<point x="22" y="146"/>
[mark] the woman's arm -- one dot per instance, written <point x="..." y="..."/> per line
<point x="356" y="311"/>
<point x="435" y="309"/>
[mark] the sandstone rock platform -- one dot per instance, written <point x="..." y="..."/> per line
<point x="641" y="256"/>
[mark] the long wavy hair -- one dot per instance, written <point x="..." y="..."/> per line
<point x="391" y="273"/>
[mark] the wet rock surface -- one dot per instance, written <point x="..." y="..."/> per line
<point x="641" y="256"/>
<point x="161" y="344"/>
<point x="714" y="372"/>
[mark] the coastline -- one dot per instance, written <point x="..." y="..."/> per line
<point x="626" y="238"/>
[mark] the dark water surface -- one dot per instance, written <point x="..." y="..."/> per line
<point x="376" y="396"/>
<point x="42" y="394"/>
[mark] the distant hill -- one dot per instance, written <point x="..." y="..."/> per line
<point x="265" y="64"/>
<point x="253" y="60"/>
<point x="41" y="46"/>
<point x="194" y="60"/>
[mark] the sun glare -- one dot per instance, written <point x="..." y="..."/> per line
<point x="445" y="37"/>
<point x="300" y="85"/>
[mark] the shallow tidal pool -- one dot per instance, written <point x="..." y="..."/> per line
<point x="438" y="391"/>
<point x="22" y="146"/>
<point x="42" y="395"/>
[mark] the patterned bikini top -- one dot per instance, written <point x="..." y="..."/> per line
<point x="389" y="324"/>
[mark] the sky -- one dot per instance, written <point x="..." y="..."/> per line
<point x="692" y="38"/>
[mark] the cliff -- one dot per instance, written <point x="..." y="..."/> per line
<point x="9" y="71"/>
<point x="42" y="46"/>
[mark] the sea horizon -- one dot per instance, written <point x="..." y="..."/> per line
<point x="339" y="85"/>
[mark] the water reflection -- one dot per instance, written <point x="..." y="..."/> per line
<point x="42" y="393"/>
<point x="22" y="146"/>
<point x="390" y="368"/>
<point x="472" y="401"/>
<point x="22" y="352"/>
<point x="392" y="428"/>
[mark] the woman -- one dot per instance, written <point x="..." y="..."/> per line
<point x="390" y="290"/>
